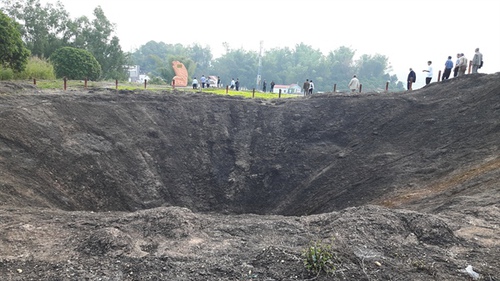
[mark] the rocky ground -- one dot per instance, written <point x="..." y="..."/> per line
<point x="140" y="185"/>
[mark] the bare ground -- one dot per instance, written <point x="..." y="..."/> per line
<point x="99" y="185"/>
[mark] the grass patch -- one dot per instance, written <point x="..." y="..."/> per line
<point x="37" y="68"/>
<point x="246" y="93"/>
<point x="58" y="84"/>
<point x="319" y="258"/>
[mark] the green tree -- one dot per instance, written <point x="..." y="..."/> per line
<point x="281" y="65"/>
<point x="238" y="64"/>
<point x="341" y="64"/>
<point x="149" y="57"/>
<point x="277" y="65"/>
<point x="13" y="52"/>
<point x="155" y="58"/>
<point x="287" y="66"/>
<point x="372" y="66"/>
<point x="48" y="28"/>
<point x="75" y="64"/>
<point x="42" y="27"/>
<point x="373" y="73"/>
<point x="98" y="39"/>
<point x="202" y="56"/>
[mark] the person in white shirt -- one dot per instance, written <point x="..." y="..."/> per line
<point x="354" y="84"/>
<point x="203" y="81"/>
<point x="430" y="73"/>
<point x="195" y="83"/>
<point x="462" y="65"/>
<point x="311" y="87"/>
<point x="457" y="66"/>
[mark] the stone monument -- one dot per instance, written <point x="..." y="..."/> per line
<point x="181" y="74"/>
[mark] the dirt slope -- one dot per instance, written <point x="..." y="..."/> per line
<point x="204" y="187"/>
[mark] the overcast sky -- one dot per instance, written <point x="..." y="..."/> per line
<point x="409" y="33"/>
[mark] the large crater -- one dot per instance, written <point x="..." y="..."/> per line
<point x="103" y="151"/>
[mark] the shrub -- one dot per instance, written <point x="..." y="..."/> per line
<point x="319" y="258"/>
<point x="156" y="81"/>
<point x="37" y="68"/>
<point x="75" y="64"/>
<point x="6" y="73"/>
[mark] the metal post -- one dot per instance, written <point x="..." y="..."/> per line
<point x="360" y="87"/>
<point x="259" y="67"/>
<point x="116" y="84"/>
<point x="335" y="88"/>
<point x="65" y="83"/>
<point x="439" y="76"/>
<point x="253" y="93"/>
<point x="227" y="89"/>
<point x="387" y="86"/>
<point x="279" y="95"/>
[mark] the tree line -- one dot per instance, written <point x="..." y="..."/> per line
<point x="45" y="29"/>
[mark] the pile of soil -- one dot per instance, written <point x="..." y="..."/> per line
<point x="141" y="185"/>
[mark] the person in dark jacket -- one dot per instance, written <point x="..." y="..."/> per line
<point x="237" y="84"/>
<point x="412" y="77"/>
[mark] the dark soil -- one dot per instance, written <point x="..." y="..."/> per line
<point x="142" y="185"/>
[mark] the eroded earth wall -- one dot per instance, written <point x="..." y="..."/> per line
<point x="99" y="150"/>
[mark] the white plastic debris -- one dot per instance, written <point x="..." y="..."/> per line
<point x="474" y="275"/>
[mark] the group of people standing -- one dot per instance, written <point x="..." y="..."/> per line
<point x="459" y="68"/>
<point x="308" y="87"/>
<point x="203" y="80"/>
<point x="235" y="84"/>
<point x="264" y="86"/>
<point x="205" y="83"/>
